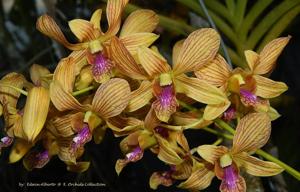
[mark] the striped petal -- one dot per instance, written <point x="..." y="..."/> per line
<point x="252" y="132"/>
<point x="83" y="30"/>
<point x="8" y="95"/>
<point x="167" y="153"/>
<point x="216" y="72"/>
<point x="133" y="41"/>
<point x="140" y="97"/>
<point x="199" y="180"/>
<point x="111" y="98"/>
<point x="37" y="75"/>
<point x="114" y="11"/>
<point x="257" y="167"/>
<point x="35" y="112"/>
<point x="46" y="25"/>
<point x="211" y="112"/>
<point x="252" y="59"/>
<point x="96" y="18"/>
<point x="139" y="21"/>
<point x="125" y="63"/>
<point x="152" y="62"/>
<point x="211" y="153"/>
<point x="199" y="90"/>
<point x="176" y="50"/>
<point x="200" y="47"/>
<point x="269" y="55"/>
<point x="267" y="88"/>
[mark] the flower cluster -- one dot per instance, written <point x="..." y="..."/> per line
<point x="118" y="80"/>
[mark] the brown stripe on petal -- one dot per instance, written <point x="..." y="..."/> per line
<point x="63" y="100"/>
<point x="200" y="47"/>
<point x="125" y="63"/>
<point x="35" y="112"/>
<point x="142" y="20"/>
<point x="252" y="132"/>
<point x="82" y="29"/>
<point x="46" y="25"/>
<point x="111" y="98"/>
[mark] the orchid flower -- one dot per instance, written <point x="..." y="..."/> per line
<point x="110" y="99"/>
<point x="160" y="80"/>
<point x="161" y="139"/>
<point x="252" y="133"/>
<point x="248" y="85"/>
<point x="93" y="43"/>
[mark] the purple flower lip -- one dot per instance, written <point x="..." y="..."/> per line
<point x="230" y="178"/>
<point x="82" y="137"/>
<point x="166" y="96"/>
<point x="229" y="114"/>
<point x="6" y="141"/>
<point x="101" y="65"/>
<point x="248" y="98"/>
<point x="38" y="159"/>
<point x="135" y="155"/>
<point x="162" y="132"/>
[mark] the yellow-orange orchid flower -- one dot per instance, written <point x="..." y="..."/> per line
<point x="249" y="85"/>
<point x="110" y="99"/>
<point x="252" y="133"/>
<point x="164" y="82"/>
<point x="93" y="43"/>
<point x="152" y="134"/>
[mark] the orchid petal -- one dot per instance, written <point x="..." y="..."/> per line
<point x="257" y="167"/>
<point x="240" y="186"/>
<point x="267" y="88"/>
<point x="211" y="153"/>
<point x="37" y="75"/>
<point x="133" y="41"/>
<point x="215" y="72"/>
<point x="211" y="112"/>
<point x="167" y="154"/>
<point x="160" y="178"/>
<point x="252" y="132"/>
<point x="199" y="180"/>
<point x="114" y="11"/>
<point x="152" y="62"/>
<point x="35" y="112"/>
<point x="200" y="47"/>
<point x="82" y="29"/>
<point x="96" y="18"/>
<point x="176" y="50"/>
<point x="269" y="55"/>
<point x="140" y="97"/>
<point x="111" y="98"/>
<point x="19" y="149"/>
<point x="252" y="59"/>
<point x="79" y="167"/>
<point x="124" y="61"/>
<point x="139" y="21"/>
<point x="46" y="25"/>
<point x="199" y="90"/>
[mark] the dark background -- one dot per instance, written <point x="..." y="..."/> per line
<point x="21" y="45"/>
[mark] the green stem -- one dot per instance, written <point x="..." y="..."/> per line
<point x="15" y="88"/>
<point x="262" y="153"/>
<point x="76" y="93"/>
<point x="226" y="136"/>
<point x="187" y="106"/>
<point x="218" y="142"/>
<point x="287" y="168"/>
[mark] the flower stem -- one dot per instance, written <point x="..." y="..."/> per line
<point x="262" y="153"/>
<point x="15" y="88"/>
<point x="287" y="168"/>
<point x="83" y="90"/>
